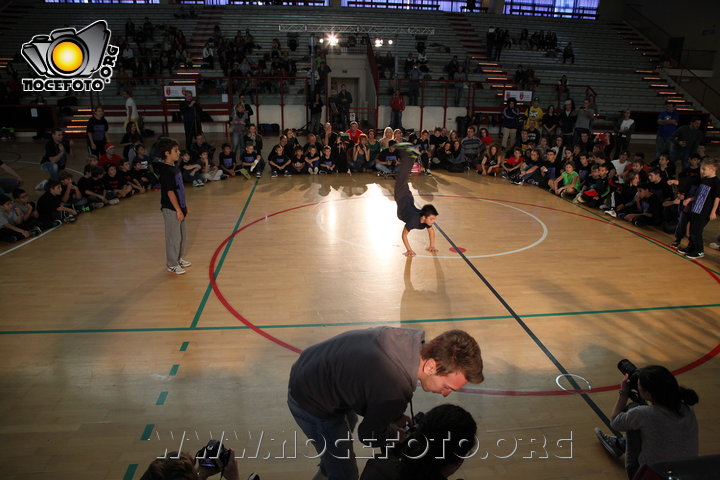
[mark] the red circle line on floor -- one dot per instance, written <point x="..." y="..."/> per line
<point x="218" y="293"/>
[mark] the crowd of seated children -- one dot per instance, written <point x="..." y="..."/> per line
<point x="13" y="225"/>
<point x="251" y="160"/>
<point x="279" y="162"/>
<point x="51" y="211"/>
<point x="629" y="190"/>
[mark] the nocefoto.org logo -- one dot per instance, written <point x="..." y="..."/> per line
<point x="71" y="60"/>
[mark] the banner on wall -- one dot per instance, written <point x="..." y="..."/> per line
<point x="178" y="91"/>
<point x="519" y="95"/>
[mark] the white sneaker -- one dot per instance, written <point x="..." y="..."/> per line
<point x="316" y="170"/>
<point x="177" y="270"/>
<point x="113" y="201"/>
<point x="184" y="263"/>
<point x="611" y="212"/>
<point x="254" y="165"/>
<point x="714" y="246"/>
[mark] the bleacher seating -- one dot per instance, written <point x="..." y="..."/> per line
<point x="604" y="60"/>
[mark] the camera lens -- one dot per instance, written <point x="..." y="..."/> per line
<point x="67" y="56"/>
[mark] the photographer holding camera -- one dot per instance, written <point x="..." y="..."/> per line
<point x="183" y="466"/>
<point x="373" y="373"/>
<point x="434" y="449"/>
<point x="665" y="429"/>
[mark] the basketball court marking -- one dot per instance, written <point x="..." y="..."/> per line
<point x="319" y="217"/>
<point x="260" y="330"/>
<point x="34" y="163"/>
<point x="530" y="333"/>
<point x="28" y="241"/>
<point x="659" y="243"/>
<point x="348" y="324"/>
<point x="598" y="218"/>
<point x="206" y="295"/>
<point x="571" y="375"/>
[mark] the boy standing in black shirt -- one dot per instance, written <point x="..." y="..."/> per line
<point x="703" y="208"/>
<point x="173" y="206"/>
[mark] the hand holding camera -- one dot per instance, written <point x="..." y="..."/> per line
<point x="629" y="385"/>
<point x="215" y="458"/>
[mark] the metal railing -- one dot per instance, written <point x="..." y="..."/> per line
<point x="688" y="58"/>
<point x="682" y="74"/>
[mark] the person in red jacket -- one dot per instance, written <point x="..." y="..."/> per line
<point x="109" y="158"/>
<point x="397" y="105"/>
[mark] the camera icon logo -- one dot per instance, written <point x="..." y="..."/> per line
<point x="68" y="55"/>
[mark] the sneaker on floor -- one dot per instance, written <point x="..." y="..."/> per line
<point x="605" y="207"/>
<point x="611" y="212"/>
<point x="245" y="173"/>
<point x="287" y="174"/>
<point x="610" y="443"/>
<point x="274" y="175"/>
<point x="34" y="232"/>
<point x="98" y="205"/>
<point x="682" y="251"/>
<point x="427" y="172"/>
<point x="258" y="174"/>
<point x="695" y="254"/>
<point x="676" y="245"/>
<point x="184" y="263"/>
<point x="177" y="270"/>
<point x="57" y="223"/>
<point x="113" y="201"/>
<point x="714" y="246"/>
<point x="316" y="170"/>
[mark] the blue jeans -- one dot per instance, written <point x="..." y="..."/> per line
<point x="332" y="439"/>
<point x="680" y="153"/>
<point x="7" y="185"/>
<point x="662" y="145"/>
<point x="237" y="146"/>
<point x="385" y="168"/>
<point x="51" y="168"/>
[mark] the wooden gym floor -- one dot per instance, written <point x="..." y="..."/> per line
<point x="108" y="361"/>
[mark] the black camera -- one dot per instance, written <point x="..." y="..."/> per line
<point x="214" y="450"/>
<point x="628" y="368"/>
<point x="413" y="425"/>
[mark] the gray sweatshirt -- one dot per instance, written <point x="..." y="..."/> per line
<point x="371" y="372"/>
<point x="665" y="435"/>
